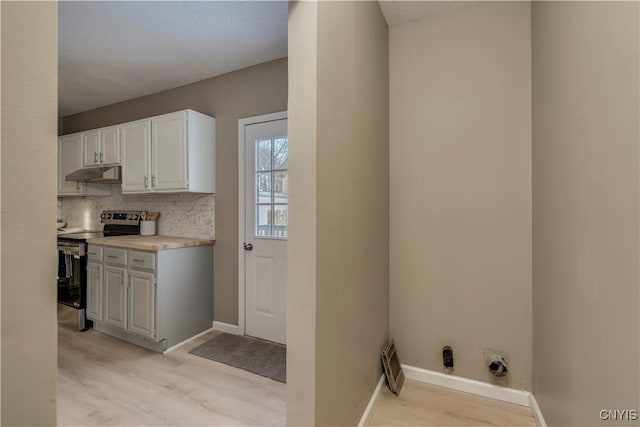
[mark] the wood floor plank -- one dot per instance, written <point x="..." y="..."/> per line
<point x="421" y="404"/>
<point x="108" y="382"/>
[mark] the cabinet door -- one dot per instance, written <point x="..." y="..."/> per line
<point x="169" y="167"/>
<point x="69" y="160"/>
<point x="110" y="146"/>
<point x="136" y="156"/>
<point x="91" y="148"/>
<point x="94" y="291"/>
<point x="142" y="303"/>
<point x="115" y="291"/>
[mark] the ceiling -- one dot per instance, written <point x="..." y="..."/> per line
<point x="111" y="51"/>
<point x="401" y="12"/>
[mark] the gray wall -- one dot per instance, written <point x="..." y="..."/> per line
<point x="585" y="198"/>
<point x="28" y="262"/>
<point x="460" y="90"/>
<point x="252" y="91"/>
<point x="338" y="253"/>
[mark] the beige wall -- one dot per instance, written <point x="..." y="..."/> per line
<point x="252" y="91"/>
<point x="29" y="122"/>
<point x="339" y="211"/>
<point x="585" y="193"/>
<point x="461" y="188"/>
<point x="301" y="293"/>
<point x="352" y="207"/>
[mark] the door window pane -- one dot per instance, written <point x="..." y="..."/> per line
<point x="263" y="220"/>
<point x="263" y="187"/>
<point x="281" y="187"/>
<point x="263" y="155"/>
<point x="280" y="220"/>
<point x="280" y="154"/>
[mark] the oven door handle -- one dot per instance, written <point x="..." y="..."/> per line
<point x="76" y="251"/>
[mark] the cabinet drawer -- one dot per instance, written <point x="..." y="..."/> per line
<point x="146" y="260"/>
<point x="94" y="253"/>
<point x="115" y="256"/>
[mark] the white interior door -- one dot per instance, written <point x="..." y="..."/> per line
<point x="266" y="230"/>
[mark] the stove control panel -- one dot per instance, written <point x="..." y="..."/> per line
<point x="120" y="217"/>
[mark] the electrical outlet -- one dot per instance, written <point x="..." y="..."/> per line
<point x="447" y="358"/>
<point x="489" y="351"/>
<point x="498" y="380"/>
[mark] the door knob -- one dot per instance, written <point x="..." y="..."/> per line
<point x="247" y="246"/>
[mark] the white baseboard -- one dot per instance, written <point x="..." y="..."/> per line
<point x="226" y="327"/>
<point x="537" y="413"/>
<point x="468" y="385"/>
<point x="368" y="412"/>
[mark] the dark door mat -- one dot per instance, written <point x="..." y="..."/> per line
<point x="251" y="354"/>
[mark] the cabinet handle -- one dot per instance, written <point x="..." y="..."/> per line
<point x="138" y="260"/>
<point x="77" y="185"/>
<point x="153" y="180"/>
<point x="92" y="253"/>
<point x="101" y="157"/>
<point x="112" y="256"/>
<point x="95" y="157"/>
<point x="146" y="182"/>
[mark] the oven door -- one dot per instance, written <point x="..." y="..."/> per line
<point x="72" y="278"/>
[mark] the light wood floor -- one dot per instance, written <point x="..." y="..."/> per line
<point x="106" y="381"/>
<point x="421" y="404"/>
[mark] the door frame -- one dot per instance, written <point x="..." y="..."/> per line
<point x="242" y="207"/>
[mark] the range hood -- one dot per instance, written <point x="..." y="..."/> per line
<point x="99" y="175"/>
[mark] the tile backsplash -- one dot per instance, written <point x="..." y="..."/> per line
<point x="188" y="215"/>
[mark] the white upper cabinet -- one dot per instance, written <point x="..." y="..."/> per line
<point x="101" y="147"/>
<point x="136" y="156"/>
<point x="171" y="153"/>
<point x="69" y="160"/>
<point x="91" y="148"/>
<point x="110" y="146"/>
<point x="71" y="155"/>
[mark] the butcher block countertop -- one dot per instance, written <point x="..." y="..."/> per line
<point x="150" y="243"/>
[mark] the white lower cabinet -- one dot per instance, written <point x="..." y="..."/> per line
<point x="142" y="303"/>
<point x="155" y="299"/>
<point x="125" y="298"/>
<point x="94" y="291"/>
<point x="115" y="296"/>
